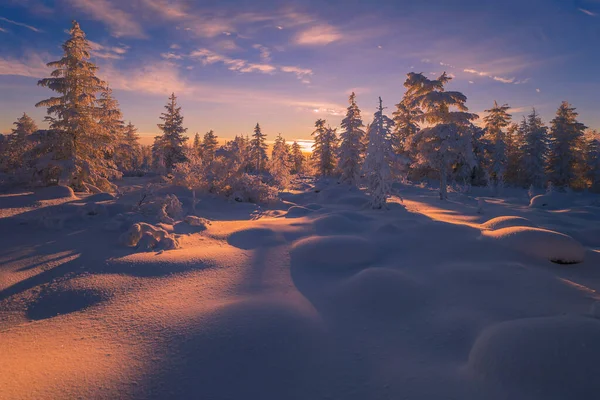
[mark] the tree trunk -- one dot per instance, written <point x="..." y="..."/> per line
<point x="443" y="188"/>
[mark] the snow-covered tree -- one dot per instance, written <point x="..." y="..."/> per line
<point x="280" y="165"/>
<point x="172" y="139"/>
<point x="406" y="119"/>
<point x="324" y="148"/>
<point x="592" y="157"/>
<point x="158" y="155"/>
<point x="534" y="151"/>
<point x="128" y="154"/>
<point x="297" y="158"/>
<point x="448" y="141"/>
<point x="197" y="146"/>
<point x="110" y="120"/>
<point x="513" y="154"/>
<point x="209" y="146"/>
<point x="73" y="153"/>
<point x="351" y="148"/>
<point x="497" y="119"/>
<point x="376" y="167"/>
<point x="565" y="158"/>
<point x="19" y="142"/>
<point x="258" y="150"/>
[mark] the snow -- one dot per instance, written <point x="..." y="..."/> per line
<point x="311" y="297"/>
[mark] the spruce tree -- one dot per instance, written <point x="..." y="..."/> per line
<point x="592" y="158"/>
<point x="279" y="166"/>
<point x="209" y="147"/>
<point x="324" y="148"/>
<point x="496" y="156"/>
<point x="377" y="161"/>
<point x="566" y="153"/>
<point x="19" y="142"/>
<point x="406" y="125"/>
<point x="351" y="150"/>
<point x="110" y="120"/>
<point x="197" y="144"/>
<point x="448" y="141"/>
<point x="172" y="139"/>
<point x="297" y="158"/>
<point x="513" y="154"/>
<point x="534" y="151"/>
<point x="73" y="153"/>
<point x="129" y="156"/>
<point x="258" y="150"/>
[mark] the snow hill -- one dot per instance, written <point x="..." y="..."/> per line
<point x="315" y="297"/>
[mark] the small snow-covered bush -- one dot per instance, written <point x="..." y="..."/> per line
<point x="148" y="237"/>
<point x="250" y="188"/>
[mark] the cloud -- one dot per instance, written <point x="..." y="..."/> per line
<point x="318" y="35"/>
<point x="121" y="23"/>
<point x="33" y="28"/>
<point x="208" y="57"/>
<point x="175" y="46"/>
<point x="513" y="81"/>
<point x="171" y="56"/>
<point x="265" y="53"/>
<point x="161" y="78"/>
<point x="588" y="12"/>
<point x="33" y="66"/>
<point x="301" y="73"/>
<point x="3" y="30"/>
<point x="538" y="90"/>
<point x="107" y="52"/>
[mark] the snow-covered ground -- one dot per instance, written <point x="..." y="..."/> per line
<point x="316" y="297"/>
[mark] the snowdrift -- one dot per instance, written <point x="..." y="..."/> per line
<point x="507" y="222"/>
<point x="542" y="243"/>
<point x="334" y="252"/>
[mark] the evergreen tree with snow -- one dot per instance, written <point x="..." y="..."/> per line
<point x="448" y="140"/>
<point x="565" y="158"/>
<point x="351" y="148"/>
<point x="513" y="154"/>
<point x="209" y="146"/>
<point x="128" y="154"/>
<point x="172" y="139"/>
<point x="377" y="161"/>
<point x="19" y="142"/>
<point x="279" y="166"/>
<point x="534" y="151"/>
<point x="197" y="146"/>
<point x="592" y="158"/>
<point x="73" y="153"/>
<point x="297" y="158"/>
<point x="110" y="120"/>
<point x="324" y="148"/>
<point x="158" y="155"/>
<point x="497" y="119"/>
<point x="258" y="150"/>
<point x="406" y="125"/>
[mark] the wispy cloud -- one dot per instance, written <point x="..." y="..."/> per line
<point x="107" y="52"/>
<point x="120" y="22"/>
<point x="588" y="12"/>
<point x="208" y="57"/>
<point x="171" y="56"/>
<point x="32" y="28"/>
<point x="265" y="53"/>
<point x="33" y="66"/>
<point x="502" y="79"/>
<point x="3" y="30"/>
<point x="318" y="35"/>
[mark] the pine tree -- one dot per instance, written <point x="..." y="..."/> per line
<point x="324" y="148"/>
<point x="406" y="121"/>
<point x="592" y="158"/>
<point x="73" y="153"/>
<point x="513" y="154"/>
<point x="566" y="141"/>
<point x="297" y="158"/>
<point x="258" y="150"/>
<point x="279" y="166"/>
<point x="197" y="146"/>
<point x="377" y="161"/>
<point x="172" y="139"/>
<point x="128" y="154"/>
<point x="534" y="151"/>
<point x="448" y="141"/>
<point x="209" y="147"/>
<point x="351" y="148"/>
<point x="496" y="160"/>
<point x="19" y="142"/>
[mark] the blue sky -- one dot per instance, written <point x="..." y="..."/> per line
<point x="235" y="63"/>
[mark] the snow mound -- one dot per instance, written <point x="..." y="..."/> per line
<point x="252" y="238"/>
<point x="543" y="243"/>
<point x="297" y="212"/>
<point x="100" y="197"/>
<point x="336" y="252"/>
<point x="555" y="357"/>
<point x="314" y="206"/>
<point x="353" y="200"/>
<point x="192" y="220"/>
<point x="549" y="201"/>
<point x="507" y="222"/>
<point x="148" y="237"/>
<point x="335" y="224"/>
<point x="54" y="192"/>
<point x="381" y="292"/>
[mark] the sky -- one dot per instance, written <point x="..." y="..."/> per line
<point x="233" y="63"/>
